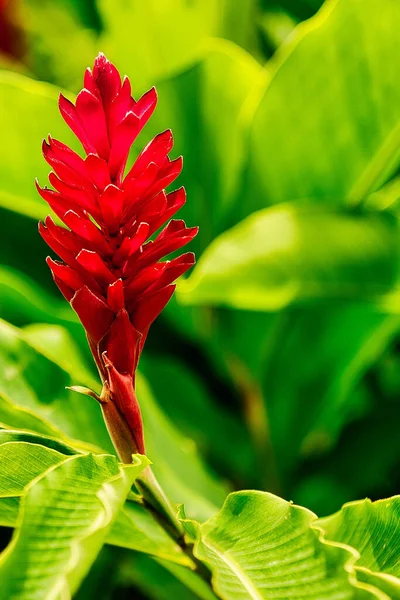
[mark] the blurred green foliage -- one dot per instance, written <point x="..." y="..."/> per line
<point x="277" y="365"/>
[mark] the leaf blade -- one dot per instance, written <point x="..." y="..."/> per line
<point x="73" y="504"/>
<point x="261" y="547"/>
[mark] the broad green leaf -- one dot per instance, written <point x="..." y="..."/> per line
<point x="190" y="579"/>
<point x="326" y="349"/>
<point x="46" y="45"/>
<point x="49" y="340"/>
<point x="20" y="157"/>
<point x="284" y="254"/>
<point x="136" y="529"/>
<point x="11" y="436"/>
<point x="175" y="458"/>
<point x="147" y="44"/>
<point x="103" y="577"/>
<point x="21" y="462"/>
<point x="327" y="477"/>
<point x="34" y="383"/>
<point x="23" y="457"/>
<point x="373" y="529"/>
<point x="301" y="9"/>
<point x="64" y="519"/>
<point x="21" y="418"/>
<point x="22" y="251"/>
<point x="387" y="197"/>
<point x="238" y="23"/>
<point x="276" y="25"/>
<point x="328" y="125"/>
<point x="187" y="104"/>
<point x="260" y="547"/>
<point x="228" y="74"/>
<point x="24" y="300"/>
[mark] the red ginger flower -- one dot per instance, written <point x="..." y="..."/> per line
<point x="111" y="271"/>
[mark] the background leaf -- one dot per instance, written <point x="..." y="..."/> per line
<point x="338" y="137"/>
<point x="283" y="254"/>
<point x="20" y="160"/>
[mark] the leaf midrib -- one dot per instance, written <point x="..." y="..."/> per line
<point x="236" y="570"/>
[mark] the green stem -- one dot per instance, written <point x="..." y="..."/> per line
<point x="152" y="496"/>
<point x="156" y="499"/>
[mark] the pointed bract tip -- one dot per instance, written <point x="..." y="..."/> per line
<point x="101" y="64"/>
<point x="101" y="58"/>
<point x="45" y="145"/>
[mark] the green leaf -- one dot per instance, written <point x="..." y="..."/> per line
<point x="64" y="519"/>
<point x="260" y="547"/>
<point x="45" y="52"/>
<point x="190" y="579"/>
<point x="326" y="349"/>
<point x="140" y="40"/>
<point x="283" y="254"/>
<point x="33" y="382"/>
<point x="177" y="463"/>
<point x="21" y="418"/>
<point x="213" y="169"/>
<point x="214" y="164"/>
<point x="373" y="529"/>
<point x="58" y="345"/>
<point x="218" y="431"/>
<point x="24" y="300"/>
<point x="8" y="436"/>
<point x="136" y="529"/>
<point x="21" y="462"/>
<point x="20" y="158"/>
<point x="328" y="125"/>
<point x="23" y="457"/>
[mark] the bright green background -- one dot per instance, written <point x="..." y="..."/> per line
<point x="277" y="365"/>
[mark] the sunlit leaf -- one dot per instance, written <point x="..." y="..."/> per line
<point x="24" y="457"/>
<point x="28" y="112"/>
<point x="33" y="382"/>
<point x="64" y="519"/>
<point x="21" y="462"/>
<point x="328" y="125"/>
<point x="139" y="39"/>
<point x="283" y="254"/>
<point x="373" y="529"/>
<point x="260" y="547"/>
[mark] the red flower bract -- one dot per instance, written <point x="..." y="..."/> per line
<point x="111" y="271"/>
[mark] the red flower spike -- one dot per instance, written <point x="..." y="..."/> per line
<point x="111" y="271"/>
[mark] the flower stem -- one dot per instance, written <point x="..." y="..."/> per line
<point x="156" y="501"/>
<point x="155" y="498"/>
<point x="152" y="496"/>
